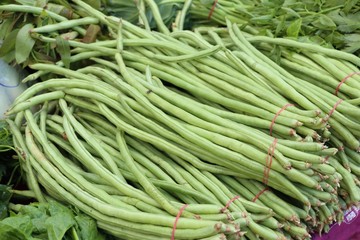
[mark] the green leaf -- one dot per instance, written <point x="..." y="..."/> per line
<point x="5" y="28"/>
<point x="324" y="23"/>
<point x="355" y="38"/>
<point x="26" y="2"/>
<point x="352" y="47"/>
<point x="55" y="208"/>
<point x="10" y="232"/>
<point x="21" y="224"/>
<point x="346" y="23"/>
<point x="5" y="196"/>
<point x="9" y="44"/>
<point x="290" y="12"/>
<point x="58" y="225"/>
<point x="87" y="228"/>
<point x="294" y="28"/>
<point x="349" y="5"/>
<point x="41" y="3"/>
<point x="49" y="221"/>
<point x="9" y="57"/>
<point x="280" y="26"/>
<point x="94" y="3"/>
<point x="63" y="48"/>
<point x="38" y="215"/>
<point x="60" y="221"/>
<point x="24" y="43"/>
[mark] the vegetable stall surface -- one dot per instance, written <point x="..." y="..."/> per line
<point x="185" y="134"/>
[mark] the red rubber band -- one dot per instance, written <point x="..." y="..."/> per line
<point x="258" y="195"/>
<point x="333" y="110"/>
<point x="181" y="210"/>
<point x="343" y="80"/>
<point x="269" y="158"/>
<point x="212" y="9"/>
<point x="229" y="203"/>
<point x="277" y="114"/>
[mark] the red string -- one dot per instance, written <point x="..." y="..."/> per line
<point x="181" y="210"/>
<point x="229" y="203"/>
<point x="333" y="110"/>
<point x="343" y="80"/>
<point x="277" y="114"/>
<point x="212" y="9"/>
<point x="269" y="158"/>
<point x="258" y="195"/>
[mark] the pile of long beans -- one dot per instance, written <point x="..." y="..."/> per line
<point x="184" y="135"/>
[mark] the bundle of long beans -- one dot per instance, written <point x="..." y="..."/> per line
<point x="162" y="136"/>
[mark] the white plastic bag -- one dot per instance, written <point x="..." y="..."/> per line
<point x="10" y="86"/>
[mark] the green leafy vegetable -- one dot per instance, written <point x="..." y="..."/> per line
<point x="24" y="43"/>
<point x="51" y="221"/>
<point x="294" y="28"/>
<point x="5" y="196"/>
<point x="87" y="228"/>
<point x="323" y="22"/>
<point x="63" y="48"/>
<point x="9" y="43"/>
<point x="15" y="228"/>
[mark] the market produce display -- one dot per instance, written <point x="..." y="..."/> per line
<point x="157" y="131"/>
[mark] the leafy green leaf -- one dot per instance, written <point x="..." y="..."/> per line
<point x="58" y="225"/>
<point x="346" y="23"/>
<point x="352" y="38"/>
<point x="352" y="47"/>
<point x="26" y="2"/>
<point x="88" y="228"/>
<point x="5" y="196"/>
<point x="280" y="26"/>
<point x="349" y="5"/>
<point x="291" y="12"/>
<point x="94" y="3"/>
<point x="10" y="232"/>
<point x="5" y="28"/>
<point x="24" y="43"/>
<point x="324" y="22"/>
<point x="60" y="221"/>
<point x="50" y="221"/>
<point x="41" y="3"/>
<point x="38" y="215"/>
<point x="63" y="48"/>
<point x="9" y="43"/>
<point x="294" y="28"/>
<point x="21" y="223"/>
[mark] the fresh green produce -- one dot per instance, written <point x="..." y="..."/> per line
<point x="7" y="167"/>
<point x="48" y="221"/>
<point x="330" y="23"/>
<point x="181" y="135"/>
